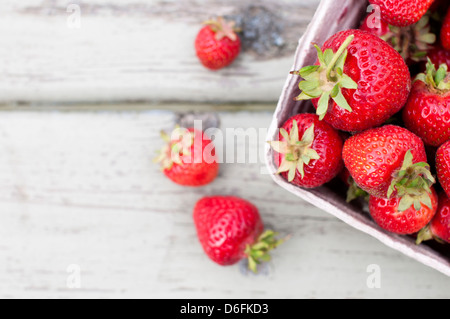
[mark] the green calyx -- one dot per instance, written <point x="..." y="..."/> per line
<point x="438" y="81"/>
<point x="177" y="145"/>
<point x="326" y="81"/>
<point x="259" y="252"/>
<point x="413" y="184"/>
<point x="412" y="42"/>
<point x="426" y="234"/>
<point x="355" y="192"/>
<point x="297" y="153"/>
<point x="223" y="29"/>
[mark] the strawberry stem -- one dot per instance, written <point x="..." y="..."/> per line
<point x="297" y="153"/>
<point x="412" y="183"/>
<point x="259" y="251"/>
<point x="337" y="55"/>
<point x="326" y="80"/>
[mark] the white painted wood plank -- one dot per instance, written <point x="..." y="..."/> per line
<point x="80" y="188"/>
<point x="133" y="50"/>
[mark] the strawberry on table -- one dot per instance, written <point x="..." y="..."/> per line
<point x="188" y="158"/>
<point x="391" y="216"/>
<point x="427" y="112"/>
<point x="359" y="81"/>
<point x="308" y="151"/>
<point x="230" y="229"/>
<point x="217" y="44"/>
<point x="389" y="162"/>
<point x="402" y="13"/>
<point x="439" y="228"/>
<point x="445" y="32"/>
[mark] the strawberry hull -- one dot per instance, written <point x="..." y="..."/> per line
<point x="341" y="15"/>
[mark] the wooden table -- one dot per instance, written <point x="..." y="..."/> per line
<point x="81" y="115"/>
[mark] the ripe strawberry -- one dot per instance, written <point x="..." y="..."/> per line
<point x="427" y="112"/>
<point x="443" y="166"/>
<point x="438" y="55"/>
<point x="439" y="228"/>
<point x="445" y="32"/>
<point x="188" y="158"/>
<point x="308" y="152"/>
<point x="375" y="26"/>
<point x="231" y="229"/>
<point x="412" y="42"/>
<point x="390" y="216"/>
<point x="389" y="161"/>
<point x="217" y="44"/>
<point x="402" y="13"/>
<point x="359" y="82"/>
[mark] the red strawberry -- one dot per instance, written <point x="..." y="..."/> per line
<point x="445" y="32"/>
<point x="231" y="229"/>
<point x="389" y="161"/>
<point x="413" y="42"/>
<point x="375" y="26"/>
<point x="217" y="44"/>
<point x="359" y="83"/>
<point x="443" y="166"/>
<point x="388" y="214"/>
<point x="308" y="152"/>
<point x="439" y="228"/>
<point x="438" y="55"/>
<point x="427" y="112"/>
<point x="188" y="158"/>
<point x="402" y="13"/>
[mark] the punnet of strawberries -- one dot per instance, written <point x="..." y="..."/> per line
<point x="382" y="126"/>
<point x="382" y="123"/>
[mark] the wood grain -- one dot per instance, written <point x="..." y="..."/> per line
<point x="132" y="51"/>
<point x="79" y="188"/>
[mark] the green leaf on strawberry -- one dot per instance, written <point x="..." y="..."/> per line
<point x="412" y="183"/>
<point x="326" y="81"/>
<point x="438" y="81"/>
<point x="297" y="153"/>
<point x="259" y="252"/>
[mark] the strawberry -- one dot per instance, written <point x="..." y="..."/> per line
<point x="443" y="166"/>
<point x="390" y="216"/>
<point x="308" y="151"/>
<point x="188" y="158"/>
<point x="217" y="45"/>
<point x="389" y="161"/>
<point x="427" y="112"/>
<point x="438" y="55"/>
<point x="412" y="42"/>
<point x="231" y="229"/>
<point x="445" y="32"/>
<point x="359" y="81"/>
<point x="439" y="228"/>
<point x="375" y="26"/>
<point x="402" y="13"/>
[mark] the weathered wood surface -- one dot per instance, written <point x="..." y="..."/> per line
<point x="133" y="50"/>
<point x="79" y="188"/>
